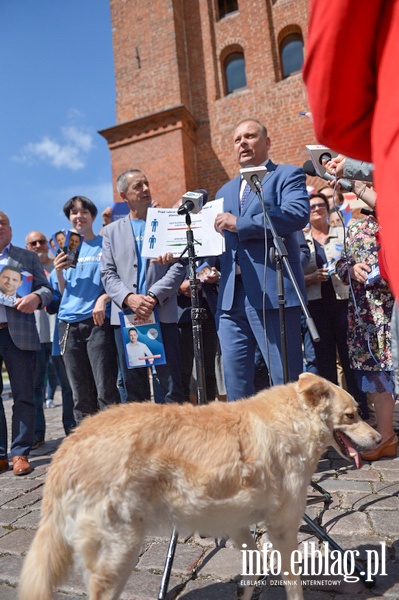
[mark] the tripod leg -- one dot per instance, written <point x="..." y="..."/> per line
<point x="322" y="535"/>
<point x="168" y="564"/>
<point x="323" y="492"/>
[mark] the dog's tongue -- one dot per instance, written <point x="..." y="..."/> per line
<point x="353" y="453"/>
<point x="356" y="457"/>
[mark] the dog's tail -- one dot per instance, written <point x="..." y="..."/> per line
<point x="48" y="560"/>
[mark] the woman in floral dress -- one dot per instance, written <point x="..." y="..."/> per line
<point x="369" y="328"/>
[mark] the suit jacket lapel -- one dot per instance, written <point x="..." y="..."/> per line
<point x="14" y="259"/>
<point x="128" y="231"/>
<point x="232" y="203"/>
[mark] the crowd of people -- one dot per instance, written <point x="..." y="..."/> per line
<point x="68" y="326"/>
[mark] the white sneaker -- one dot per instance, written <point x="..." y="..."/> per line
<point x="50" y="404"/>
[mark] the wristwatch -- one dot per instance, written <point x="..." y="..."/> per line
<point x="152" y="295"/>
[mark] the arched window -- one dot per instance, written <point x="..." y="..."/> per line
<point x="234" y="69"/>
<point x="226" y="6"/>
<point x="291" y="54"/>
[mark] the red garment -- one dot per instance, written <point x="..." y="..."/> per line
<point x="382" y="263"/>
<point x="352" y="75"/>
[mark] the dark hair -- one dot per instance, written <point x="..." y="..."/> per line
<point x="86" y="203"/>
<point x="322" y="196"/>
<point x="133" y="329"/>
<point x="11" y="268"/>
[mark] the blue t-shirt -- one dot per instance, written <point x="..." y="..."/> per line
<point x="138" y="226"/>
<point x="83" y="284"/>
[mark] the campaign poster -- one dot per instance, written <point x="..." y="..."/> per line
<point x="72" y="246"/>
<point x="142" y="340"/>
<point x="14" y="283"/>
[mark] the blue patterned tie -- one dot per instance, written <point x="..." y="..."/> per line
<point x="245" y="194"/>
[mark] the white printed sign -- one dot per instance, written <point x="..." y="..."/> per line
<point x="165" y="231"/>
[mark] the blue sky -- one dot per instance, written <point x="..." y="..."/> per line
<point x="57" y="91"/>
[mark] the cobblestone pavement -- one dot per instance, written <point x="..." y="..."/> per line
<point x="363" y="513"/>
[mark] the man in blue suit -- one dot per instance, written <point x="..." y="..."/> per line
<point x="248" y="297"/>
<point x="19" y="344"/>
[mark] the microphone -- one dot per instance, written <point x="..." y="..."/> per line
<point x="253" y="176"/>
<point x="325" y="156"/>
<point x="309" y="169"/>
<point x="193" y="202"/>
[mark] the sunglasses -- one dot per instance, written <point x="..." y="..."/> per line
<point x="314" y="206"/>
<point x="37" y="243"/>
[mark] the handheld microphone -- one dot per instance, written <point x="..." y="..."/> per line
<point x="325" y="156"/>
<point x="309" y="169"/>
<point x="193" y="202"/>
<point x="253" y="176"/>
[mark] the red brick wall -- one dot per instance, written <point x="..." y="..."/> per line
<point x="181" y="45"/>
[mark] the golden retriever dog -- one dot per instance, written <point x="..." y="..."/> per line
<point x="215" y="468"/>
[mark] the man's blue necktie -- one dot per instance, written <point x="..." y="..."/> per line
<point x="245" y="194"/>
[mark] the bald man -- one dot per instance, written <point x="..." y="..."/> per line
<point x="36" y="242"/>
<point x="19" y="343"/>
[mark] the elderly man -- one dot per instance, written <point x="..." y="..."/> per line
<point x="36" y="242"/>
<point x="134" y="283"/>
<point x="248" y="296"/>
<point x="19" y="343"/>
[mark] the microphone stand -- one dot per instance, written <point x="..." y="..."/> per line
<point x="198" y="314"/>
<point x="280" y="255"/>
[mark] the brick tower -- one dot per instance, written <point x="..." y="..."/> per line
<point x="175" y="115"/>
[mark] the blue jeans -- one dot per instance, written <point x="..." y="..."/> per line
<point x="121" y="385"/>
<point x="68" y="419"/>
<point x="42" y="360"/>
<point x="309" y="356"/>
<point x="20" y="365"/>
<point x="52" y="380"/>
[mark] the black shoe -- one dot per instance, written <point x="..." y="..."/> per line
<point x="36" y="444"/>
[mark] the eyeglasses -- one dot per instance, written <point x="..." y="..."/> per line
<point x="314" y="206"/>
<point x="37" y="243"/>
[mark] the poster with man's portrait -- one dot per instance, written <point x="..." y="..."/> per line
<point x="142" y="340"/>
<point x="14" y="283"/>
<point x="72" y="245"/>
<point x="57" y="241"/>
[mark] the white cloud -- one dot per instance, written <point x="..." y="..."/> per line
<point x="77" y="137"/>
<point x="70" y="153"/>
